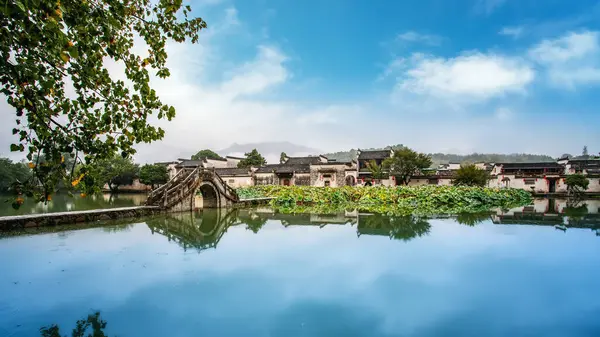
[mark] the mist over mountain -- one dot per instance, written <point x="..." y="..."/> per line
<point x="443" y="158"/>
<point x="270" y="150"/>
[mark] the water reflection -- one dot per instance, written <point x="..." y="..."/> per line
<point x="276" y="274"/>
<point x="560" y="213"/>
<point x="198" y="231"/>
<point x="93" y="322"/>
<point x="65" y="203"/>
<point x="204" y="230"/>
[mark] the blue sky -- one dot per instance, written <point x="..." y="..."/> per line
<point x="439" y="76"/>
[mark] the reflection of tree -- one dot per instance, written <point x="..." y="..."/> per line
<point x="399" y="227"/>
<point x="576" y="214"/>
<point x="194" y="230"/>
<point x="254" y="222"/>
<point x="409" y="227"/>
<point x="93" y="323"/>
<point x="471" y="219"/>
<point x="118" y="227"/>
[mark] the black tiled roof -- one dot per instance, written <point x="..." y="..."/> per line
<point x="232" y="171"/>
<point x="379" y="154"/>
<point x="190" y="163"/>
<point x="284" y="168"/>
<point x="542" y="165"/>
<point x="267" y="168"/>
<point x="347" y="163"/>
<point x="303" y="160"/>
<point x="205" y="159"/>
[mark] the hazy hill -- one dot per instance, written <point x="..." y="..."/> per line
<point x="442" y="158"/>
<point x="270" y="150"/>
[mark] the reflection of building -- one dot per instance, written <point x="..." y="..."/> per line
<point x="544" y="211"/>
<point x="199" y="231"/>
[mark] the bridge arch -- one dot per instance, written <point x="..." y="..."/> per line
<point x="210" y="195"/>
<point x="179" y="193"/>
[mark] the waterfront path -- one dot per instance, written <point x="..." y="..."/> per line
<point x="60" y="218"/>
<point x="63" y="218"/>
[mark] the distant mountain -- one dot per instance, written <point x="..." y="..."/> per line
<point x="270" y="150"/>
<point x="442" y="158"/>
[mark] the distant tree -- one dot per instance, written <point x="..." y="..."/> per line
<point x="376" y="170"/>
<point x="471" y="175"/>
<point x="282" y="157"/>
<point x="253" y="158"/>
<point x="12" y="172"/>
<point x="117" y="171"/>
<point x="405" y="163"/>
<point x="566" y="155"/>
<point x="208" y="154"/>
<point x="154" y="175"/>
<point x="576" y="184"/>
<point x="585" y="151"/>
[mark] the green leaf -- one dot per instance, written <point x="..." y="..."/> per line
<point x="73" y="52"/>
<point x="21" y="6"/>
<point x="14" y="147"/>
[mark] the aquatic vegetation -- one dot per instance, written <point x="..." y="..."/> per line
<point x="400" y="200"/>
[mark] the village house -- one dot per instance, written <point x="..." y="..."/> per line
<point x="236" y="177"/>
<point x="544" y="177"/>
<point x="363" y="173"/>
<point x="171" y="167"/>
<point x="307" y="171"/>
<point x="540" y="178"/>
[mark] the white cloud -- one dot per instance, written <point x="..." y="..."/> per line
<point x="514" y="32"/>
<point x="571" y="59"/>
<point x="231" y="16"/>
<point x="254" y="77"/>
<point x="487" y="7"/>
<point x="472" y="77"/>
<point x="241" y="104"/>
<point x="503" y="114"/>
<point x="412" y="36"/>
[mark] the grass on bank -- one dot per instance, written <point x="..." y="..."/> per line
<point x="397" y="200"/>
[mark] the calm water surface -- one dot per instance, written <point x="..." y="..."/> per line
<point x="258" y="273"/>
<point x="64" y="203"/>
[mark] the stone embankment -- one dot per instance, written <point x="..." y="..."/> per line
<point x="63" y="218"/>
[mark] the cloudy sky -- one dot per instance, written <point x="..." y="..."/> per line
<point x="436" y="75"/>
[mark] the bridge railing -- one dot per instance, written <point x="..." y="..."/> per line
<point x="182" y="190"/>
<point x="157" y="192"/>
<point x="229" y="192"/>
<point x="185" y="182"/>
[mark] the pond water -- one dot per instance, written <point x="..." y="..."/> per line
<point x="262" y="273"/>
<point x="64" y="203"/>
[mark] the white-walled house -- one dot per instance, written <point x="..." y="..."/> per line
<point x="236" y="177"/>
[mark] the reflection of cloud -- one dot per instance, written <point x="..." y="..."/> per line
<point x="276" y="278"/>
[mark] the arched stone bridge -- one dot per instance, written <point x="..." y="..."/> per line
<point x="179" y="193"/>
